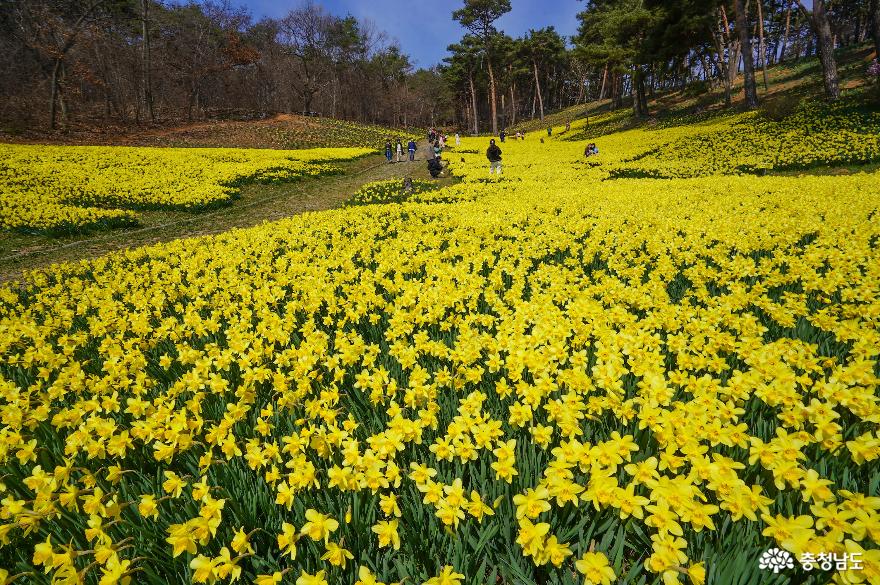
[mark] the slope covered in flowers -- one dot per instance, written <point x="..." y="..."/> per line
<point x="549" y="377"/>
<point x="389" y="191"/>
<point x="285" y="131"/>
<point x="815" y="135"/>
<point x="75" y="187"/>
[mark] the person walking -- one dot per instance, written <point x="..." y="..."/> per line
<point x="442" y="141"/>
<point x="549" y="130"/>
<point x="503" y="135"/>
<point x="388" y="150"/>
<point x="493" y="153"/>
<point x="411" y="148"/>
<point x="457" y="139"/>
<point x="399" y="148"/>
<point x="437" y="149"/>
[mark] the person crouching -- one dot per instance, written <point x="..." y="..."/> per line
<point x="435" y="167"/>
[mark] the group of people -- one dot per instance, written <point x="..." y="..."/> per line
<point x="398" y="148"/>
<point x="438" y="136"/>
<point x="503" y="135"/>
<point x="493" y="153"/>
<point x="437" y="141"/>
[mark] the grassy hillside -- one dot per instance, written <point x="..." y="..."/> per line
<point x="284" y="132"/>
<point x="788" y="85"/>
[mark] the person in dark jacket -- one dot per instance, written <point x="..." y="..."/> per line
<point x="411" y="148"/>
<point x="388" y="150"/>
<point x="435" y="167"/>
<point x="503" y="135"/>
<point x="493" y="153"/>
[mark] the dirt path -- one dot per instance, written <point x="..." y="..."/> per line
<point x="258" y="203"/>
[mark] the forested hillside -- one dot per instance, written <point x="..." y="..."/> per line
<point x="141" y="62"/>
<point x="118" y="64"/>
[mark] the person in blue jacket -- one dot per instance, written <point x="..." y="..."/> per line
<point x="411" y="148"/>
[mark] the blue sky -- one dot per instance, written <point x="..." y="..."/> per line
<point x="424" y="28"/>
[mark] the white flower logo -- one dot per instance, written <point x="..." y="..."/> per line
<point x="776" y="559"/>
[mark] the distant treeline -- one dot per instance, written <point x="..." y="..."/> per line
<point x="129" y="62"/>
<point x="627" y="50"/>
<point x="139" y="61"/>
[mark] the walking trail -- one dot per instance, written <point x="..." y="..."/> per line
<point x="258" y="204"/>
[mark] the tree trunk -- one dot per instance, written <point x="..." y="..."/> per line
<point x="640" y="103"/>
<point x="761" y="50"/>
<point x="503" y="112"/>
<point x="875" y="18"/>
<point x="705" y="65"/>
<point x="616" y="90"/>
<point x="723" y="65"/>
<point x="604" y="79"/>
<point x="493" y="100"/>
<point x="512" y="103"/>
<point x="860" y="34"/>
<point x="191" y="104"/>
<point x="55" y="90"/>
<point x="745" y="41"/>
<point x="53" y="94"/>
<point x="825" y="40"/>
<point x="474" y="103"/>
<point x="146" y="81"/>
<point x="732" y="46"/>
<point x="61" y="101"/>
<point x="640" y="92"/>
<point x="538" y="90"/>
<point x="785" y="35"/>
<point x="636" y="104"/>
<point x="405" y="105"/>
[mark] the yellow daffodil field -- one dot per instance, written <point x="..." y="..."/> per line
<point x="71" y="188"/>
<point x="816" y="134"/>
<point x="559" y="375"/>
<point x="389" y="191"/>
